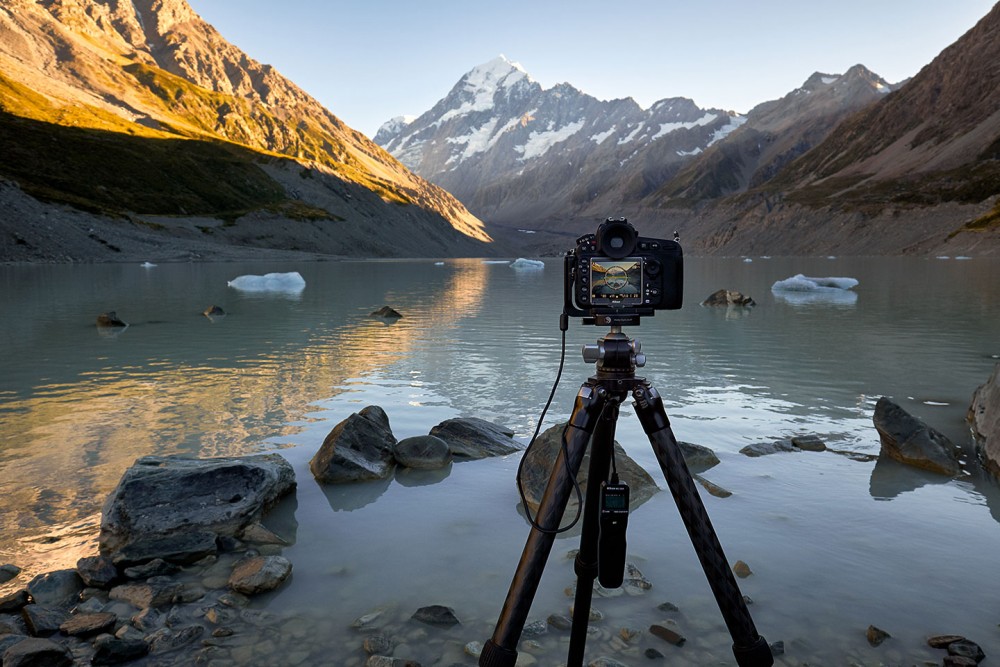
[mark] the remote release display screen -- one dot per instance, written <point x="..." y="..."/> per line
<point x="616" y="282"/>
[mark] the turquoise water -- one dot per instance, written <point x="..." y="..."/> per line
<point x="836" y="544"/>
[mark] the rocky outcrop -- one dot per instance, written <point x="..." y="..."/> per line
<point x="357" y="449"/>
<point x="180" y="505"/>
<point x="909" y="440"/>
<point x="984" y="417"/>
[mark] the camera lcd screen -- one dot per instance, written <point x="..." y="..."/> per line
<point x="616" y="282"/>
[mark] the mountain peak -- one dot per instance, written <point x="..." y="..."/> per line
<point x="493" y="75"/>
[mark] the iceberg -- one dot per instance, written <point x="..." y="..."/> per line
<point x="147" y="265"/>
<point x="522" y="264"/>
<point x="270" y="282"/>
<point x="801" y="283"/>
<point x="800" y="289"/>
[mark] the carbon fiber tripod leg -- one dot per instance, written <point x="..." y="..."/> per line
<point x="501" y="649"/>
<point x="750" y="649"/>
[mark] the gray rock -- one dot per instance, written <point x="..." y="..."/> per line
<point x="426" y="452"/>
<point x="97" y="571"/>
<point x="170" y="639"/>
<point x="13" y="601"/>
<point x="436" y="615"/>
<point x="180" y="548"/>
<point x="259" y="574"/>
<point x="697" y="457"/>
<point x="725" y="297"/>
<point x="112" y="650"/>
<point x="148" y="594"/>
<point x="541" y="457"/>
<point x="473" y="438"/>
<point x="154" y="568"/>
<point x="8" y="572"/>
<point x="809" y="443"/>
<point x="161" y="496"/>
<point x="213" y="311"/>
<point x="36" y="653"/>
<point x="87" y="625"/>
<point x="909" y="440"/>
<point x="43" y="620"/>
<point x="387" y="312"/>
<point x="984" y="417"/>
<point x="766" y="448"/>
<point x="358" y="448"/>
<point x="110" y="319"/>
<point x="55" y="588"/>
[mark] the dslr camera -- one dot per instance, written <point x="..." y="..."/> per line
<point x="615" y="276"/>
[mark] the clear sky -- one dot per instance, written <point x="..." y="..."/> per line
<point x="370" y="60"/>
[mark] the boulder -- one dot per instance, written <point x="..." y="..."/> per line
<point x="386" y="312"/>
<point x="110" y="319"/>
<point x="984" y="417"/>
<point x="541" y="457"/>
<point x="163" y="497"/>
<point x="909" y="440"/>
<point x="34" y="652"/>
<point x="56" y="588"/>
<point x="473" y="438"/>
<point x="213" y="311"/>
<point x="357" y="449"/>
<point x="427" y="452"/>
<point x="259" y="574"/>
<point x="726" y="297"/>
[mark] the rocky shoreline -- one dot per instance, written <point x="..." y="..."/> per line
<point x="184" y="552"/>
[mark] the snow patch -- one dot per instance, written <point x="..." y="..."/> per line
<point x="734" y="123"/>
<point x="667" y="128"/>
<point x="540" y="142"/>
<point x="601" y="136"/>
<point x="631" y="135"/>
<point x="830" y="79"/>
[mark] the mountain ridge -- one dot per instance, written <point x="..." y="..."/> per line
<point x="154" y="68"/>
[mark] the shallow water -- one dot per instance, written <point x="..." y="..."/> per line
<point x="835" y="544"/>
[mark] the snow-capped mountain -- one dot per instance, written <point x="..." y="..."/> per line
<point x="509" y="149"/>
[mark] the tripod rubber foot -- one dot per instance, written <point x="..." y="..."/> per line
<point x="757" y="654"/>
<point x="494" y="655"/>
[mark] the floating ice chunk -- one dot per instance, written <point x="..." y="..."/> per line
<point x="747" y="260"/>
<point x="522" y="264"/>
<point x="270" y="282"/>
<point x="801" y="283"/>
<point x="438" y="263"/>
<point x="147" y="265"/>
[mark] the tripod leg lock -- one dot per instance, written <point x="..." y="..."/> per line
<point x="757" y="654"/>
<point x="649" y="408"/>
<point x="494" y="655"/>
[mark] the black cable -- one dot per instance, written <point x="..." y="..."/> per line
<point x="563" y="325"/>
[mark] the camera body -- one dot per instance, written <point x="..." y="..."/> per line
<point x="615" y="276"/>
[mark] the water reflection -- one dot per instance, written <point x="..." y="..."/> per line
<point x="224" y="387"/>
<point x="890" y="478"/>
<point x="354" y="496"/>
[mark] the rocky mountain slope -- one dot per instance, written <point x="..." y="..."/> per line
<point x="844" y="164"/>
<point x="114" y="84"/>
<point x="513" y="151"/>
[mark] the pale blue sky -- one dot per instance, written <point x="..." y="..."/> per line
<point x="370" y="60"/>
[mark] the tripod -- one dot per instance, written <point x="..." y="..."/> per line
<point x="596" y="412"/>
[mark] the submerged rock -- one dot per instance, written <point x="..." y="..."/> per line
<point x="426" y="452"/>
<point x="909" y="440"/>
<point x="386" y="312"/>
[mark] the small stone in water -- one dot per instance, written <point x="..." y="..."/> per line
<point x="667" y="635"/>
<point x="742" y="570"/>
<point x="942" y="641"/>
<point x="876" y="635"/>
<point x="966" y="649"/>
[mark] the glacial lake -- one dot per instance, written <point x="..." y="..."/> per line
<point x="836" y="542"/>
